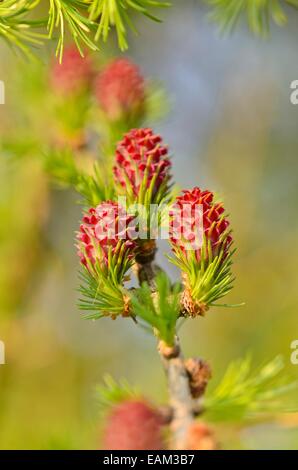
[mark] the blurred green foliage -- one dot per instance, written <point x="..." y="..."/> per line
<point x="258" y="14"/>
<point x="54" y="358"/>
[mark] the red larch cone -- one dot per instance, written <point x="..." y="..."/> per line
<point x="102" y="229"/>
<point x="73" y="75"/>
<point x="133" y="425"/>
<point x="195" y="214"/>
<point x="142" y="164"/>
<point x="120" y="90"/>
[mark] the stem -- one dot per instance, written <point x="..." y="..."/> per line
<point x="181" y="400"/>
<point x="145" y="269"/>
<point x="146" y="272"/>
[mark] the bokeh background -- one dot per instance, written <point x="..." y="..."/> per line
<point x="231" y="129"/>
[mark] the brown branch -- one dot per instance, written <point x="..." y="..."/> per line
<point x="181" y="400"/>
<point x="145" y="269"/>
<point x="146" y="272"/>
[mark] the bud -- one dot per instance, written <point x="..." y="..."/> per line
<point x="168" y="352"/>
<point x="199" y="373"/>
<point x="143" y="166"/>
<point x="73" y="75"/>
<point x="201" y="437"/>
<point x="133" y="425"/>
<point x="120" y="90"/>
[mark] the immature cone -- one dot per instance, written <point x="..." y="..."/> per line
<point x="133" y="425"/>
<point x="105" y="228"/>
<point x="73" y="75"/>
<point x="142" y="165"/>
<point x="120" y="90"/>
<point x="196" y="215"/>
<point x="201" y="437"/>
<point x="199" y="232"/>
